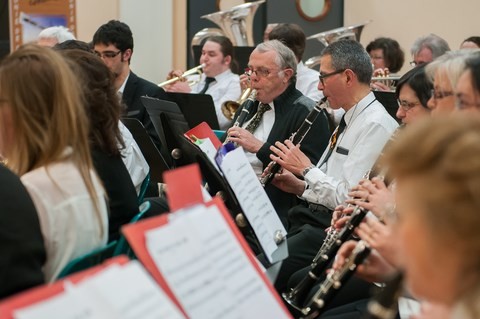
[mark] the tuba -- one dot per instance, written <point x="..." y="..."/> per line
<point x="236" y="23"/>
<point x="326" y="38"/>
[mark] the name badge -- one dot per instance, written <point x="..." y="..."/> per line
<point x="341" y="150"/>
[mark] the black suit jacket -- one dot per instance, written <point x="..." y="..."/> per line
<point x="22" y="252"/>
<point x="291" y="109"/>
<point x="122" y="196"/>
<point x="135" y="88"/>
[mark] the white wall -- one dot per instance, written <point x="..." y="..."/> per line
<point x="406" y="20"/>
<point x="151" y="23"/>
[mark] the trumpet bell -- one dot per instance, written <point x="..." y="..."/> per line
<point x="352" y="32"/>
<point x="237" y="22"/>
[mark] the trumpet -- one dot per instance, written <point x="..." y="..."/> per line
<point x="195" y="70"/>
<point x="296" y="138"/>
<point x="229" y="108"/>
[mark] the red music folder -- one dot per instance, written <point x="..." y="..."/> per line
<point x="40" y="293"/>
<point x="203" y="131"/>
<point x="137" y="235"/>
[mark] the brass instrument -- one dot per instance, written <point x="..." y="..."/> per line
<point x="326" y="38"/>
<point x="335" y="280"/>
<point x="237" y="23"/>
<point x="229" y="108"/>
<point x="383" y="76"/>
<point x="195" y="70"/>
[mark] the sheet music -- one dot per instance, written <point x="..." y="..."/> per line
<point x="208" y="270"/>
<point x="253" y="199"/>
<point x="207" y="147"/>
<point x="118" y="292"/>
<point x="130" y="293"/>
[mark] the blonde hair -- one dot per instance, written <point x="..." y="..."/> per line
<point x="47" y="110"/>
<point x="442" y="155"/>
<point x="450" y="65"/>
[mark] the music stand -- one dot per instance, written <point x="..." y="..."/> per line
<point x="153" y="157"/>
<point x="168" y="121"/>
<point x="196" y="108"/>
<point x="217" y="183"/>
<point x="389" y="101"/>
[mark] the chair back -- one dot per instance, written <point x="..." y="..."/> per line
<point x="122" y="247"/>
<point x="94" y="258"/>
<point x="143" y="189"/>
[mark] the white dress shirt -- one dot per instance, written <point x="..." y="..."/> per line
<point x="226" y="87"/>
<point x="133" y="158"/>
<point x="307" y="82"/>
<point x="369" y="127"/>
<point x="261" y="133"/>
<point x="70" y="225"/>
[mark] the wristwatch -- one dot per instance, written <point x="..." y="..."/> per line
<point x="306" y="170"/>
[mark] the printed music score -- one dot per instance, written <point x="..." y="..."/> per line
<point x="254" y="201"/>
<point x="207" y="268"/>
<point x="119" y="291"/>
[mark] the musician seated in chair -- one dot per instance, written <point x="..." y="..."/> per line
<point x="217" y="79"/>
<point x="279" y="111"/>
<point x="345" y="74"/>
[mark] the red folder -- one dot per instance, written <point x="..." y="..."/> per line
<point x="202" y="131"/>
<point x="37" y="294"/>
<point x="176" y="179"/>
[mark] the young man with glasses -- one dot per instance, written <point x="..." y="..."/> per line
<point x="113" y="43"/>
<point x="345" y="74"/>
<point x="278" y="113"/>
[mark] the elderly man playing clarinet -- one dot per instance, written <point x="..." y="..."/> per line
<point x="279" y="111"/>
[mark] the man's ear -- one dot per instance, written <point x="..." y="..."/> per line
<point x="350" y="76"/>
<point x="288" y="74"/>
<point x="127" y="55"/>
<point x="227" y="60"/>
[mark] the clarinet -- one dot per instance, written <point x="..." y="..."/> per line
<point x="296" y="296"/>
<point x="246" y="108"/>
<point x="385" y="304"/>
<point x="296" y="138"/>
<point x="335" y="280"/>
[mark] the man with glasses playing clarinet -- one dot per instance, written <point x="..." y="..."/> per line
<point x="113" y="43"/>
<point x="279" y="111"/>
<point x="345" y="74"/>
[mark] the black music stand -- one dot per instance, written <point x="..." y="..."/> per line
<point x="153" y="157"/>
<point x="389" y="101"/>
<point x="196" y="108"/>
<point x="169" y="122"/>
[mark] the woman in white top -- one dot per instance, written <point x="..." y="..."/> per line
<point x="43" y="137"/>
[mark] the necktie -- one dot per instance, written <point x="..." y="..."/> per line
<point x="255" y="122"/>
<point x="333" y="139"/>
<point x="208" y="80"/>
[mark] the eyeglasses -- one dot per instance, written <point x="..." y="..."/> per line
<point x="438" y="95"/>
<point x="260" y="72"/>
<point x="322" y="77"/>
<point x="108" y="54"/>
<point x="461" y="104"/>
<point x="407" y="106"/>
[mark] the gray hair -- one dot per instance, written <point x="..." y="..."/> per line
<point x="452" y="64"/>
<point x="285" y="58"/>
<point x="433" y="42"/>
<point x="349" y="54"/>
<point x="60" y="33"/>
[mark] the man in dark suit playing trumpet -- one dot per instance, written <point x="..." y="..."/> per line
<point x="279" y="111"/>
